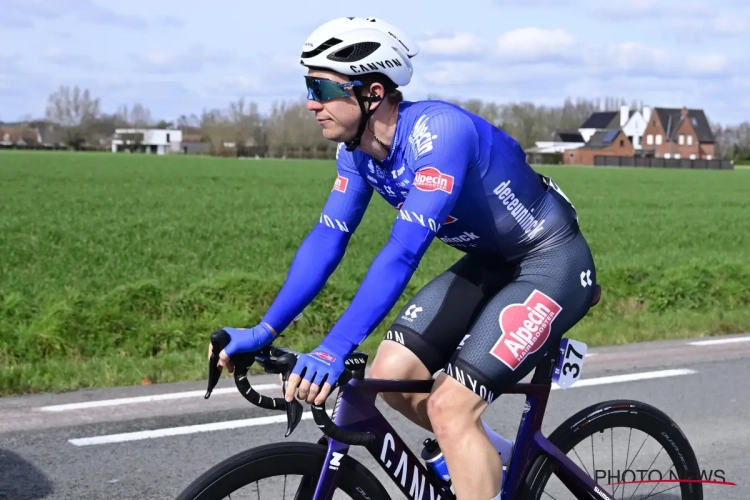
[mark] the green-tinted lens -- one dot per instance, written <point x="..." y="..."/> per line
<point x="319" y="89"/>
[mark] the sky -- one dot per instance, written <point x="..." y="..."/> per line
<point x="183" y="56"/>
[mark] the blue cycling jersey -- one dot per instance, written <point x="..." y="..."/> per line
<point x="451" y="175"/>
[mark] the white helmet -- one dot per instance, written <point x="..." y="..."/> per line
<point x="356" y="46"/>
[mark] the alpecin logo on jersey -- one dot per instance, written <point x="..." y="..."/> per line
<point x="525" y="328"/>
<point x="340" y="184"/>
<point x="432" y="179"/>
<point x="421" y="138"/>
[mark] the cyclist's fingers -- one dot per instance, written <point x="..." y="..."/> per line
<point x="291" y="386"/>
<point x="324" y="393"/>
<point x="304" y="388"/>
<point x="225" y="361"/>
<point x="314" y="390"/>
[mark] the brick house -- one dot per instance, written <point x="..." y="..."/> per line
<point x="19" y="136"/>
<point x="679" y="133"/>
<point x="602" y="143"/>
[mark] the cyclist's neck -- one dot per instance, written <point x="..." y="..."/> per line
<point x="378" y="136"/>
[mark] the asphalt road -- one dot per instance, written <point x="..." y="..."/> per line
<point x="104" y="444"/>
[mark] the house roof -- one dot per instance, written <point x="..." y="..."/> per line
<point x="600" y="120"/>
<point x="696" y="116"/>
<point x="602" y="139"/>
<point x="11" y="133"/>
<point x="570" y="136"/>
<point x="605" y="120"/>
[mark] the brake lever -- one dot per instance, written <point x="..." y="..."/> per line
<point x="293" y="407"/>
<point x="219" y="340"/>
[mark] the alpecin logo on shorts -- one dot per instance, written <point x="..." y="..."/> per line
<point x="525" y="328"/>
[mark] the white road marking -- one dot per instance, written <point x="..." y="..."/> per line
<point x="188" y="429"/>
<point x="630" y="377"/>
<point x="250" y="422"/>
<point x="154" y="397"/>
<point x="720" y="341"/>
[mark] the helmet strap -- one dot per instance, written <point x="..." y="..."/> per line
<point x="366" y="115"/>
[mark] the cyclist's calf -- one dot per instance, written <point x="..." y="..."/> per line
<point x="394" y="361"/>
<point x="455" y="413"/>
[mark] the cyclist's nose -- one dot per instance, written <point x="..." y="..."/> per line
<point x="314" y="105"/>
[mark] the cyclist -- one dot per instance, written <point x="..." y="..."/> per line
<point x="526" y="277"/>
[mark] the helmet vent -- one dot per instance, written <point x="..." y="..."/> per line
<point x="355" y="52"/>
<point x="322" y="47"/>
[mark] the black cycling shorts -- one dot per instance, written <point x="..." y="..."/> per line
<point x="487" y="324"/>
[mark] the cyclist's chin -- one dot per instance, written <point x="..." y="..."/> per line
<point x="336" y="134"/>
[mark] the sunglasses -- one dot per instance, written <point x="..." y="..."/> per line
<point x="322" y="89"/>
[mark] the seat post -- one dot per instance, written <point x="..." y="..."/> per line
<point x="545" y="368"/>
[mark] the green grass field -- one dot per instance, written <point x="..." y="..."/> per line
<point x="116" y="268"/>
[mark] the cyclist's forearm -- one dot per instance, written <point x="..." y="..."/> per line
<point x="383" y="285"/>
<point x="318" y="256"/>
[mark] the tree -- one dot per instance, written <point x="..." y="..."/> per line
<point x="73" y="109"/>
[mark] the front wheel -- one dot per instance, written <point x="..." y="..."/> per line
<point x="652" y="458"/>
<point x="273" y="464"/>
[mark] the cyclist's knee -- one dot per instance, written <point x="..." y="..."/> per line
<point x="394" y="361"/>
<point x="451" y="406"/>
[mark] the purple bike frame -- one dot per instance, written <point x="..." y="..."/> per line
<point x="355" y="410"/>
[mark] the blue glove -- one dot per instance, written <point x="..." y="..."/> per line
<point x="320" y="362"/>
<point x="248" y="339"/>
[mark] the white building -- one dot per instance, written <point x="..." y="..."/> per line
<point x="636" y="126"/>
<point x="632" y="122"/>
<point x="145" y="140"/>
<point x="548" y="149"/>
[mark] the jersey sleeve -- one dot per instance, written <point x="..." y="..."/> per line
<point x="439" y="174"/>
<point x="323" y="248"/>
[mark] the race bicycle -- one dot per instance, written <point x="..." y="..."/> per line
<point x="326" y="468"/>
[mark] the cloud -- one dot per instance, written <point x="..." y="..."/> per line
<point x="708" y="64"/>
<point x="455" y="73"/>
<point x="235" y="84"/>
<point x="458" y="44"/>
<point x="712" y="25"/>
<point x="25" y="14"/>
<point x="68" y="59"/>
<point x="536" y="3"/>
<point x="687" y="19"/>
<point x="626" y="9"/>
<point x="634" y="58"/>
<point x="192" y="60"/>
<point x="532" y="45"/>
<point x="527" y="54"/>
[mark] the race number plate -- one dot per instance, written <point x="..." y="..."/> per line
<point x="570" y="363"/>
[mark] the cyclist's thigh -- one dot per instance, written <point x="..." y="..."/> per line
<point x="436" y="319"/>
<point x="525" y="319"/>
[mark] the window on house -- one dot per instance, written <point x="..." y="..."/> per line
<point x="667" y="155"/>
<point x="650" y="139"/>
<point x="658" y="139"/>
<point x="167" y="137"/>
<point x="690" y="140"/>
<point x="692" y="156"/>
<point x="571" y="154"/>
<point x="708" y="157"/>
<point x="622" y="142"/>
<point x="677" y="155"/>
<point x="682" y="139"/>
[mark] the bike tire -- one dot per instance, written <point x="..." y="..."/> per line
<point x="279" y="459"/>
<point x="618" y="413"/>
